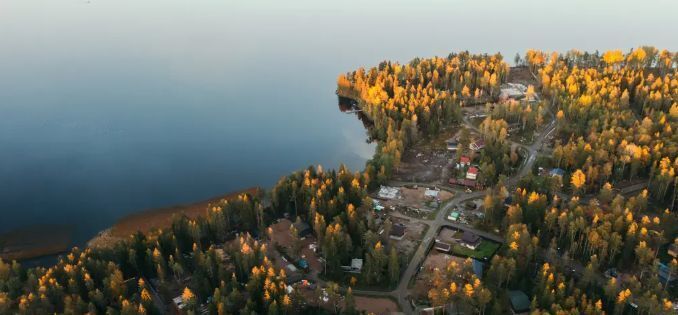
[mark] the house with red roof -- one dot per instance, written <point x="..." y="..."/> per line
<point x="472" y="173"/>
<point x="464" y="161"/>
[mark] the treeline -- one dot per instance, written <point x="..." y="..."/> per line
<point x="407" y="102"/>
<point x="616" y="115"/>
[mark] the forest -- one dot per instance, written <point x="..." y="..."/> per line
<point x="615" y="115"/>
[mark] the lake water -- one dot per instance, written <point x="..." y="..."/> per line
<point x="108" y="107"/>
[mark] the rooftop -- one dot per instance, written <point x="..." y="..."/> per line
<point x="470" y="237"/>
<point x="519" y="301"/>
<point x="398" y="229"/>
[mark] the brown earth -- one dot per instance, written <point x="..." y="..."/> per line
<point x="147" y="220"/>
<point x="378" y="306"/>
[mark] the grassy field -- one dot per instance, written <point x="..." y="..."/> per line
<point x="485" y="250"/>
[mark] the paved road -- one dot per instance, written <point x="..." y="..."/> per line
<point x="402" y="293"/>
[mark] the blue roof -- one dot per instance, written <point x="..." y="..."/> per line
<point x="664" y="274"/>
<point x="478" y="268"/>
<point x="557" y="172"/>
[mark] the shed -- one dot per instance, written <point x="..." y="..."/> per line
<point x="442" y="246"/>
<point x="397" y="231"/>
<point x="478" y="268"/>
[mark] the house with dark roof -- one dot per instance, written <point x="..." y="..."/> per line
<point x="303" y="229"/>
<point x="442" y="246"/>
<point x="470" y="240"/>
<point x="520" y="303"/>
<point x="452" y="144"/>
<point x="397" y="231"/>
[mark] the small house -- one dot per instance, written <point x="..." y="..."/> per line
<point x="665" y="274"/>
<point x="377" y="206"/>
<point x="472" y="173"/>
<point x="442" y="246"/>
<point x="478" y="267"/>
<point x="453" y="216"/>
<point x="355" y="267"/>
<point x="386" y="192"/>
<point x="673" y="250"/>
<point x="303" y="229"/>
<point x="178" y="303"/>
<point x="464" y="161"/>
<point x="397" y="231"/>
<point x="452" y="144"/>
<point x="431" y="193"/>
<point x="470" y="240"/>
<point x="520" y="303"/>
<point x="476" y="145"/>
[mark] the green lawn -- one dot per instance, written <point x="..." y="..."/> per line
<point x="484" y="250"/>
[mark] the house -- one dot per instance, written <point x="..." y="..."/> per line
<point x="452" y="145"/>
<point x="508" y="201"/>
<point x="476" y="145"/>
<point x="454" y="216"/>
<point x="557" y="172"/>
<point x="520" y="303"/>
<point x="355" y="267"/>
<point x="386" y="192"/>
<point x="673" y="250"/>
<point x="431" y="193"/>
<point x="472" y="173"/>
<point x="179" y="304"/>
<point x="303" y="228"/>
<point x="442" y="246"/>
<point x="478" y="267"/>
<point x="665" y="275"/>
<point x="470" y="240"/>
<point x="464" y="161"/>
<point x="377" y="206"/>
<point x="397" y="231"/>
<point x="293" y="277"/>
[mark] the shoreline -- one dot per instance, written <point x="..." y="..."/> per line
<point x="147" y="220"/>
<point x="35" y="241"/>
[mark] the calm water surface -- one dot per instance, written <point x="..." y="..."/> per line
<point x="108" y="107"/>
